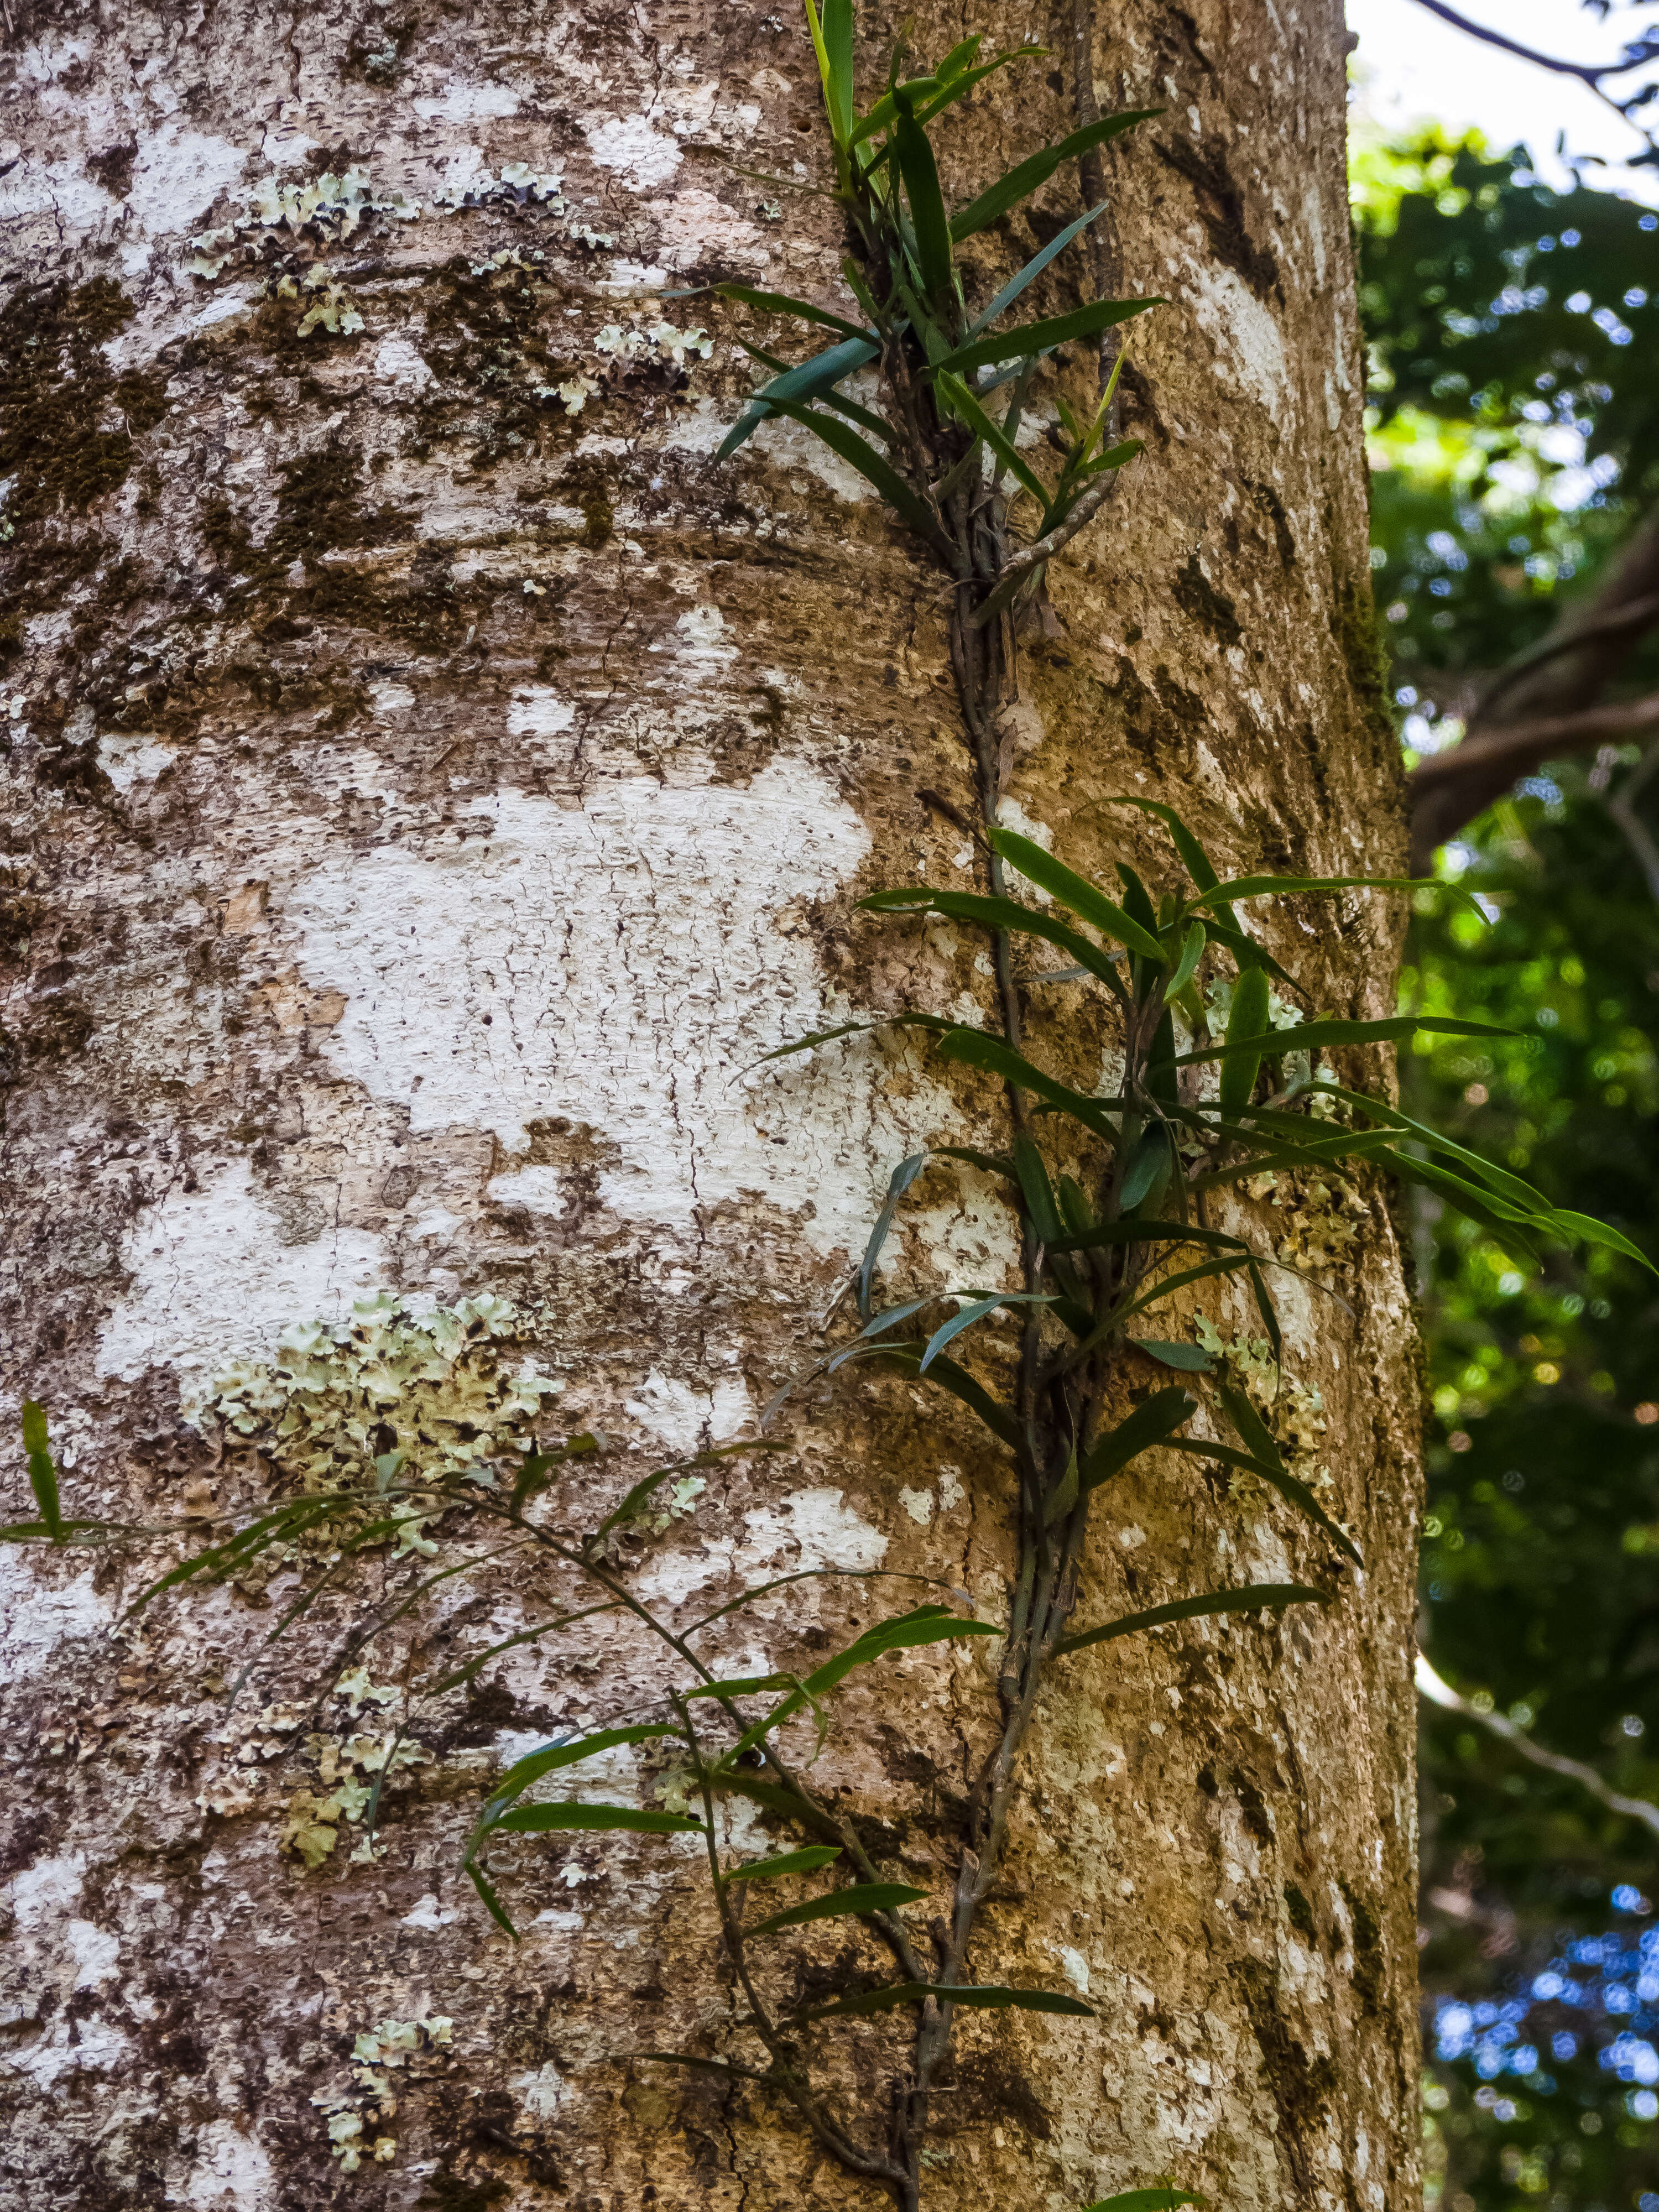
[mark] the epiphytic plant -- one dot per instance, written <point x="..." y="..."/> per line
<point x="1106" y="1201"/>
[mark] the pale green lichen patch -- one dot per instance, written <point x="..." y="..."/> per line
<point x="357" y="2118"/>
<point x="433" y="1392"/>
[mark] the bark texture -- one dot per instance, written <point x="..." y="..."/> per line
<point x="429" y="786"/>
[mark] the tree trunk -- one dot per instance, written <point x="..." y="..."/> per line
<point x="434" y="785"/>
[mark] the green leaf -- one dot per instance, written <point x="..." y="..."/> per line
<point x="927" y="216"/>
<point x="1309" y="1037"/>
<point x="838" y="400"/>
<point x="1188" y="1359"/>
<point x="962" y="1387"/>
<point x="979" y="1049"/>
<point x="838" y="50"/>
<point x="1598" y="1232"/>
<point x="546" y="1819"/>
<point x="1147" y="1429"/>
<point x="809" y="380"/>
<point x="898" y="1184"/>
<point x="1043" y="336"/>
<point x="805" y="1861"/>
<point x="1257" y="1438"/>
<point x="1074" y="892"/>
<point x="984" y="1998"/>
<point x="1150" y="1232"/>
<point x="1245" y="950"/>
<point x="788" y="1804"/>
<point x="1228" y="1265"/>
<point x="1148" y="1168"/>
<point x="859" y="454"/>
<point x="520" y="1776"/>
<point x="1147" y="2200"/>
<point x="959" y="398"/>
<point x="1027" y="176"/>
<point x="1197" y="861"/>
<point x="863" y="1897"/>
<point x="492" y="1904"/>
<point x="967" y="1315"/>
<point x="1252" y="1598"/>
<point x="1034" y="268"/>
<point x="1191" y="953"/>
<point x="43" y="1472"/>
<point x="934" y="1021"/>
<point x="999" y="913"/>
<point x="1371" y="1145"/>
<point x="1246" y="1018"/>
<point x="781" y="303"/>
<point x="1247" y="887"/>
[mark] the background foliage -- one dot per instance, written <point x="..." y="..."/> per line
<point x="1514" y="435"/>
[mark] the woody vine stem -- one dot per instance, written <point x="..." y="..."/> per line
<point x="1107" y="1195"/>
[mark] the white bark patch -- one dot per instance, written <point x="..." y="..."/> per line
<point x="695" y="226"/>
<point x="232" y="2172"/>
<point x="210" y="1280"/>
<point x="538" y="712"/>
<point x="61" y="190"/>
<point x="37" y="1619"/>
<point x="1245" y="332"/>
<point x="467" y="103"/>
<point x="617" y="966"/>
<point x="629" y="144"/>
<point x="683" y="1419"/>
<point x="177" y="177"/>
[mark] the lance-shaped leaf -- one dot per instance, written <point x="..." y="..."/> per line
<point x="1592" y="1231"/>
<point x="975" y="1311"/>
<point x="1074" y="891"/>
<point x="1028" y="176"/>
<point x="789" y="1804"/>
<point x="491" y="1900"/>
<point x="1349" y="1145"/>
<point x="978" y="1048"/>
<point x="999" y="913"/>
<point x="1290" y="1487"/>
<point x="1150" y="1232"/>
<point x="1312" y="1036"/>
<point x="1008" y="456"/>
<point x="981" y="1997"/>
<point x="961" y="1386"/>
<point x="782" y="303"/>
<point x="1246" y="1018"/>
<point x="1043" y="336"/>
<point x="1185" y="1358"/>
<point x="808" y="1860"/>
<point x="898" y="1184"/>
<point x="859" y="454"/>
<point x="809" y="381"/>
<point x="1252" y="1598"/>
<point x="1034" y="268"/>
<point x="1248" y="887"/>
<point x="43" y="1471"/>
<point x="1148" y="1427"/>
<point x="1191" y="952"/>
<point x="552" y="1820"/>
<point x="1245" y="950"/>
<point x="861" y="1900"/>
<point x="552" y="1757"/>
<point x="930" y="227"/>
<point x="909" y="1632"/>
<point x="934" y="1021"/>
<point x="1228" y="1265"/>
<point x="838" y="400"/>
<point x="1198" y="863"/>
<point x="1147" y="2200"/>
<point x="1148" y="1167"/>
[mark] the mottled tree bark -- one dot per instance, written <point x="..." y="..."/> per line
<point x="430" y="787"/>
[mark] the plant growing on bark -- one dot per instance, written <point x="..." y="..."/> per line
<point x="1105" y="1194"/>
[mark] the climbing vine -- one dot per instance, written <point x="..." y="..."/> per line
<point x="1221" y="1081"/>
